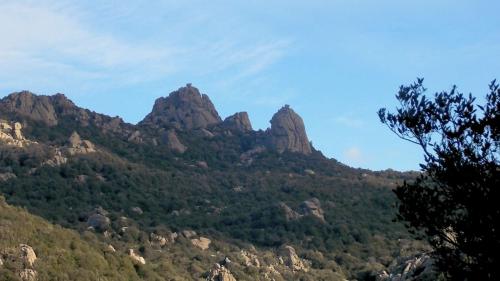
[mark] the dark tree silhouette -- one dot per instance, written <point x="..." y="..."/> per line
<point x="455" y="203"/>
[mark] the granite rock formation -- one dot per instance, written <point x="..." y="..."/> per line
<point x="288" y="133"/>
<point x="184" y="109"/>
<point x="238" y="122"/>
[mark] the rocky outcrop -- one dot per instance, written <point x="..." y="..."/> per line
<point x="291" y="259"/>
<point x="184" y="109"/>
<point x="416" y="267"/>
<point x="202" y="242"/>
<point x="249" y="259"/>
<point x="78" y="146"/>
<point x="238" y="122"/>
<point x="135" y="257"/>
<point x="49" y="110"/>
<point x="57" y="160"/>
<point x="220" y="273"/>
<point x="288" y="133"/>
<point x="172" y="141"/>
<point x="11" y="134"/>
<point x="28" y="256"/>
<point x="312" y="207"/>
<point x="38" y="108"/>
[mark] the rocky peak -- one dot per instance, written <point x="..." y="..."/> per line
<point x="238" y="122"/>
<point x="25" y="103"/>
<point x="184" y="109"/>
<point x="288" y="133"/>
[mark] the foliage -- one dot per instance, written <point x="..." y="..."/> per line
<point x="455" y="201"/>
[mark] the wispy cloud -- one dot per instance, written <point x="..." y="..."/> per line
<point x="53" y="43"/>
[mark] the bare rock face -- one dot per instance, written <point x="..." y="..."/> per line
<point x="290" y="214"/>
<point x="39" y="108"/>
<point x="288" y="133"/>
<point x="172" y="141"/>
<point x="312" y="207"/>
<point x="238" y="122"/>
<point x="7" y="176"/>
<point x="291" y="259"/>
<point x="184" y="109"/>
<point x="220" y="273"/>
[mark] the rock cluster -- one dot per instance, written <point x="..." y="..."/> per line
<point x="48" y="110"/>
<point x="288" y="132"/>
<point x="310" y="207"/>
<point x="184" y="109"/>
<point x="249" y="259"/>
<point x="417" y="267"/>
<point x="11" y="134"/>
<point x="238" y="122"/>
<point x="78" y="146"/>
<point x="220" y="273"/>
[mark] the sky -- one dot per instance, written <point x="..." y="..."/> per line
<point x="334" y="62"/>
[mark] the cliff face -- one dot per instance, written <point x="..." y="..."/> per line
<point x="184" y="109"/>
<point x="238" y="122"/>
<point x="288" y="132"/>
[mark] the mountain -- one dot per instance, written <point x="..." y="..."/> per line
<point x="183" y="189"/>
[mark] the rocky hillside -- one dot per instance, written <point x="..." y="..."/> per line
<point x="183" y="189"/>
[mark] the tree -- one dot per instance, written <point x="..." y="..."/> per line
<point x="455" y="203"/>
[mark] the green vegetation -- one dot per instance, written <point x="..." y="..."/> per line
<point x="455" y="203"/>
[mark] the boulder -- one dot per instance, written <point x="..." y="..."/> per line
<point x="135" y="257"/>
<point x="312" y="207"/>
<point x="28" y="256"/>
<point x="184" y="109"/>
<point x="157" y="240"/>
<point x="202" y="242"/>
<point x="188" y="233"/>
<point x="291" y="259"/>
<point x="288" y="133"/>
<point x="238" y="122"/>
<point x="99" y="222"/>
<point x="76" y="145"/>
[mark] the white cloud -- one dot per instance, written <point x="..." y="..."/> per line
<point x="354" y="156"/>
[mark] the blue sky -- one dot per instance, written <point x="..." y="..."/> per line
<point x="335" y="62"/>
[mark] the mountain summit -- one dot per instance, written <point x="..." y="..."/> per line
<point x="184" y="109"/>
<point x="288" y="132"/>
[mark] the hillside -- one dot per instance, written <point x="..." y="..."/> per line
<point x="148" y="187"/>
